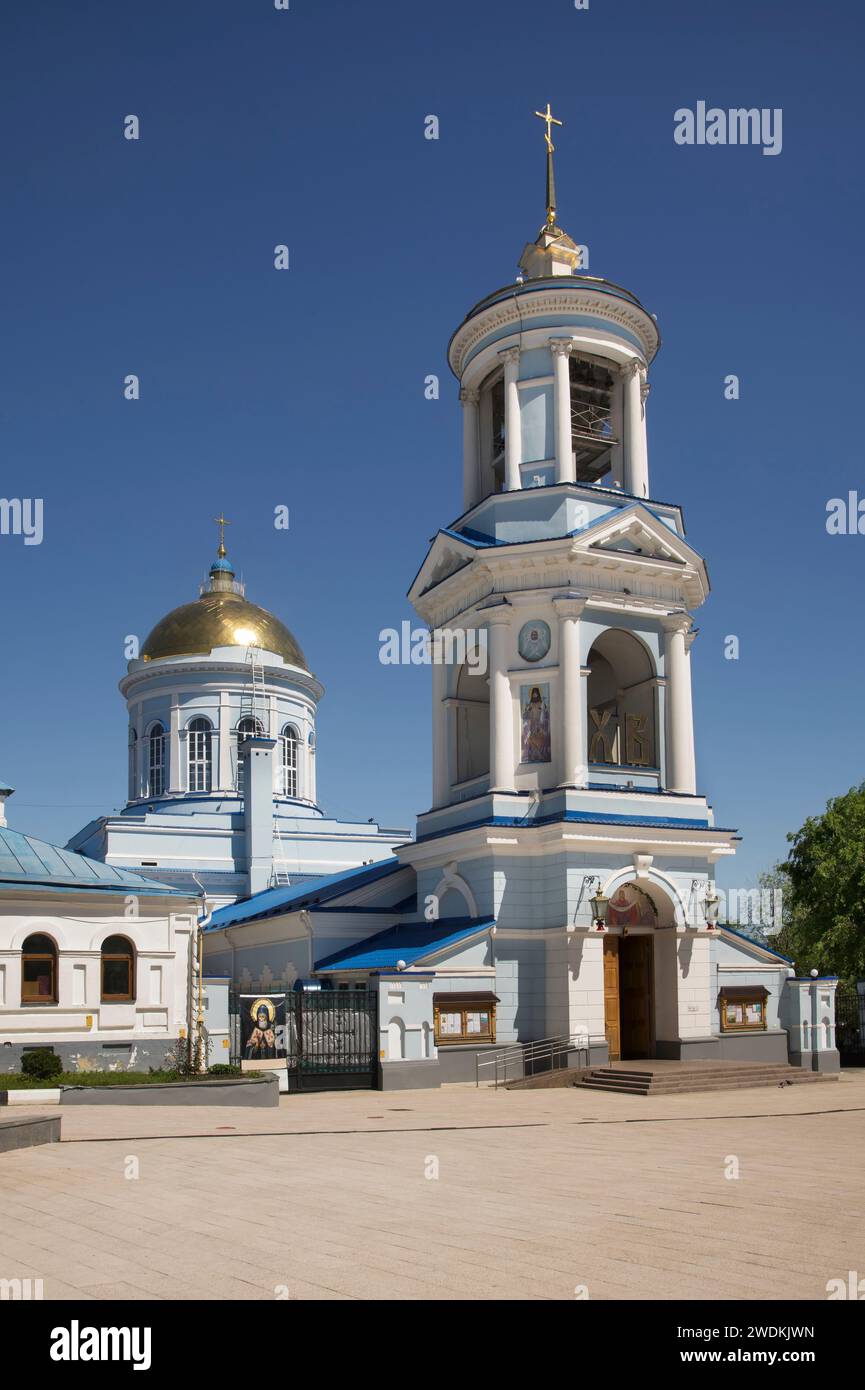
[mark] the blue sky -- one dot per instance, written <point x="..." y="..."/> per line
<point x="305" y="388"/>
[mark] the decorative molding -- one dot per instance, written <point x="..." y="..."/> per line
<point x="510" y="356"/>
<point x="574" y="298"/>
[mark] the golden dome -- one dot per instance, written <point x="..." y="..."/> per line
<point x="221" y="617"/>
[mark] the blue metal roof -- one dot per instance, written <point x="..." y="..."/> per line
<point x="410" y="942"/>
<point x="583" y="817"/>
<point x="273" y="901"/>
<point x="25" y="860"/>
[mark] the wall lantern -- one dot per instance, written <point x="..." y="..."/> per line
<point x="711" y="904"/>
<point x="599" y="903"/>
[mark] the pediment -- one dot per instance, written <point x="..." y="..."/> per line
<point x="636" y="532"/>
<point x="447" y="555"/>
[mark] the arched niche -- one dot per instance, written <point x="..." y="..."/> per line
<point x="472" y="723"/>
<point x="621" y="697"/>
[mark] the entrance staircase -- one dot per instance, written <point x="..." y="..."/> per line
<point x="653" y="1078"/>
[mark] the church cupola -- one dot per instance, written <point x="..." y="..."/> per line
<point x="211" y="675"/>
<point x="553" y="374"/>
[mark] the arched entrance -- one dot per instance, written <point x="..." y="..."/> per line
<point x="631" y="970"/>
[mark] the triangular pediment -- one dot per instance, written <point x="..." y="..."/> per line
<point x="634" y="532"/>
<point x="447" y="555"/>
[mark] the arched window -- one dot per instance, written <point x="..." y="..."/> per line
<point x="290" y="743"/>
<point x="248" y="727"/>
<point x="200" y="755"/>
<point x="621" y="700"/>
<point x="156" y="760"/>
<point x="133" y="765"/>
<point x="473" y="723"/>
<point x="39" y="971"/>
<point x="118" y="970"/>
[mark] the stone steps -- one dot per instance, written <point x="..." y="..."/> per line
<point x="708" y="1076"/>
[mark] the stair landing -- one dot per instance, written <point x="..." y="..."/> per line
<point x="651" y="1077"/>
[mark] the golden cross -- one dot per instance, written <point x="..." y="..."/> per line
<point x="551" y="121"/>
<point x="222" y="522"/>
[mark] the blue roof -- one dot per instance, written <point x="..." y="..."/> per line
<point x="273" y="901"/>
<point x="586" y="818"/>
<point x="5" y="786"/>
<point x="411" y="942"/>
<point x="26" y="860"/>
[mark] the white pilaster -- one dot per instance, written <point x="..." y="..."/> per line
<point x="636" y="479"/>
<point x="440" y="785"/>
<point x="471" y="448"/>
<point x="513" y="429"/>
<point x="573" y="766"/>
<point x="680" y="722"/>
<point x="225" y="782"/>
<point x="501" y="704"/>
<point x="175" y="784"/>
<point x="565" y="470"/>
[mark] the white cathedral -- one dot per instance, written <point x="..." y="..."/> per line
<point x="561" y="883"/>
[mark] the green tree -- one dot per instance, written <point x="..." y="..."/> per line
<point x="823" y="883"/>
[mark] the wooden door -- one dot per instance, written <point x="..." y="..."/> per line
<point x="611" y="997"/>
<point x="635" y="966"/>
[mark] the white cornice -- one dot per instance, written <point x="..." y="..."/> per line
<point x="574" y="296"/>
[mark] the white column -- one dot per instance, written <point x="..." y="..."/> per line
<point x="565" y="471"/>
<point x="440" y="786"/>
<point x="175" y="784"/>
<point x="513" y="436"/>
<point x="573" y="755"/>
<point x="224" y="772"/>
<point x="617" y="453"/>
<point x="689" y="718"/>
<point x="636" y="449"/>
<point x="501" y="704"/>
<point x="310" y="793"/>
<point x="679" y="721"/>
<point x="471" y="448"/>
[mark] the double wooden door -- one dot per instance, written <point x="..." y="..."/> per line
<point x="628" y="995"/>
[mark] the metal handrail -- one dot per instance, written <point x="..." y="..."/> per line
<point x="530" y="1053"/>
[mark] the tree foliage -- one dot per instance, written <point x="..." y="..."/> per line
<point x="823" y="882"/>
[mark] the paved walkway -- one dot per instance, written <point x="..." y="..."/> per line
<point x="447" y="1194"/>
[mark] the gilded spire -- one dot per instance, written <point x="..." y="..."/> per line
<point x="553" y="253"/>
<point x="550" y="120"/>
<point x="222" y="522"/>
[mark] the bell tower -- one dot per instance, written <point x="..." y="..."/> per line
<point x="562" y="734"/>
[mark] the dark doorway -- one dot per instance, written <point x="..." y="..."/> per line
<point x="635" y="995"/>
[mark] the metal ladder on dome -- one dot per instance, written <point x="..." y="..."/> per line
<point x="253" y="702"/>
<point x="279" y="878"/>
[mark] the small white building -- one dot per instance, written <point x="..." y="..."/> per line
<point x="96" y="963"/>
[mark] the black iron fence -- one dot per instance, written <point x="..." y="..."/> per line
<point x="850" y="1024"/>
<point x="330" y="1037"/>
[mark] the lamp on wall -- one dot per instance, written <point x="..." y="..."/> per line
<point x="599" y="903"/>
<point x="711" y="903"/>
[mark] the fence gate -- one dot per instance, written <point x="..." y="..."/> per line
<point x="337" y="1038"/>
<point x="850" y="1025"/>
<point x="331" y="1038"/>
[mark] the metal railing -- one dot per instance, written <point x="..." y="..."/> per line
<point x="519" y="1060"/>
<point x="592" y="418"/>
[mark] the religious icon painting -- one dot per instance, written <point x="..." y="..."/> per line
<point x="262" y="1027"/>
<point x="535" y="712"/>
<point x="534" y="640"/>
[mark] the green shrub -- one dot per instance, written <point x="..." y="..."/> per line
<point x="42" y="1063"/>
<point x="223" y="1069"/>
